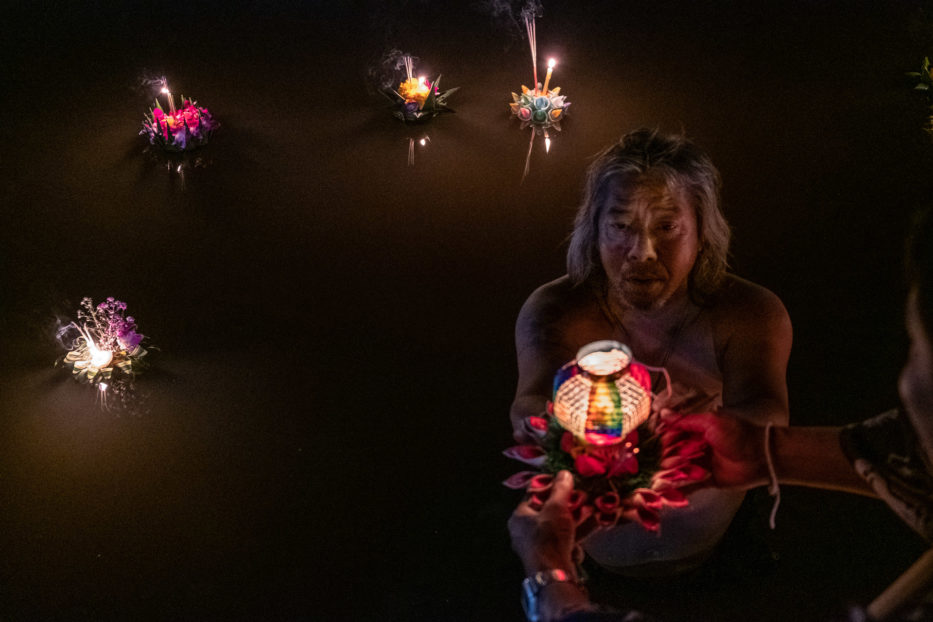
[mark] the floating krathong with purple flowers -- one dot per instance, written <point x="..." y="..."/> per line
<point x="104" y="347"/>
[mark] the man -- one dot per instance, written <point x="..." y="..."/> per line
<point x="647" y="267"/>
<point x="889" y="456"/>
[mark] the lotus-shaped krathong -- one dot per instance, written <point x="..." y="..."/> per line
<point x="627" y="463"/>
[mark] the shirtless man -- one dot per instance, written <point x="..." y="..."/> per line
<point x="647" y="267"/>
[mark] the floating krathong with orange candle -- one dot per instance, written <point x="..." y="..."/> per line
<point x="540" y="105"/>
<point x="627" y="463"/>
<point x="182" y="129"/>
<point x="418" y="99"/>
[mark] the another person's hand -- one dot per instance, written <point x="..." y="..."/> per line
<point x="543" y="534"/>
<point x="737" y="451"/>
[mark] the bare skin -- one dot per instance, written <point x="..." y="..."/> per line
<point x="813" y="456"/>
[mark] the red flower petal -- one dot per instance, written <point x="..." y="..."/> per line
<point x="577" y="498"/>
<point x="537" y="423"/>
<point x="540" y="481"/>
<point x="519" y="480"/>
<point x="588" y="466"/>
<point x="673" y="497"/>
<point x="647" y="498"/>
<point x="683" y="474"/>
<point x="687" y="448"/>
<point x="608" y="502"/>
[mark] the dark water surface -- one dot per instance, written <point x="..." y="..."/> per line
<point x="320" y="434"/>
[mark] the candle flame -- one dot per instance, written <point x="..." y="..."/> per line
<point x="99" y="358"/>
<point x="165" y="89"/>
<point x="423" y="142"/>
<point x="551" y="62"/>
<point x="547" y="145"/>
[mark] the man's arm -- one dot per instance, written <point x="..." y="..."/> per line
<point x="542" y="347"/>
<point x="757" y="339"/>
<point x="802" y="456"/>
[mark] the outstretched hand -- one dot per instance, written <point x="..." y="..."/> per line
<point x="737" y="452"/>
<point x="543" y="534"/>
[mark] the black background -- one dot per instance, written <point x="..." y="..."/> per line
<point x="320" y="433"/>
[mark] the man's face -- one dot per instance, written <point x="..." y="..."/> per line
<point x="916" y="383"/>
<point x="648" y="243"/>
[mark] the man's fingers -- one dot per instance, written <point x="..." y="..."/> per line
<point x="694" y="423"/>
<point x="561" y="489"/>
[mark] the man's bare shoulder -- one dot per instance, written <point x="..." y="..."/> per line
<point x="556" y="309"/>
<point x="741" y="304"/>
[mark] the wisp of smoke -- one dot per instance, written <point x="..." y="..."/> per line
<point x="507" y="15"/>
<point x="385" y="74"/>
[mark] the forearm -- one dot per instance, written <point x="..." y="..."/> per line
<point x="812" y="456"/>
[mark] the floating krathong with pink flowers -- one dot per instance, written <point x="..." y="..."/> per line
<point x="179" y="129"/>
<point x="627" y="463"/>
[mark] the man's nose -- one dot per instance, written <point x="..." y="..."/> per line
<point x="642" y="248"/>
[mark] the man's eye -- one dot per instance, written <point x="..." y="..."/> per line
<point x="620" y="226"/>
<point x="667" y="226"/>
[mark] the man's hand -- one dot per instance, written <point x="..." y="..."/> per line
<point x="737" y="448"/>
<point x="543" y="534"/>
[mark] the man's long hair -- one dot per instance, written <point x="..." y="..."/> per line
<point x="638" y="157"/>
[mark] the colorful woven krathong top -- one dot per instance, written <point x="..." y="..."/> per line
<point x="627" y="464"/>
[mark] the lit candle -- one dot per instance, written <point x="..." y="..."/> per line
<point x="171" y="100"/>
<point x="547" y="78"/>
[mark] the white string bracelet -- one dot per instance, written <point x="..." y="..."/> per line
<point x="773" y="489"/>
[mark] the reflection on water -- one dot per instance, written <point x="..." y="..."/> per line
<point x="177" y="164"/>
<point x="537" y="131"/>
<point x="415" y="143"/>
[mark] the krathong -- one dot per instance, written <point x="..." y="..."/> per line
<point x="104" y="348"/>
<point x="925" y="85"/>
<point x="182" y="129"/>
<point x="540" y="107"/>
<point x="627" y="463"/>
<point x="417" y="99"/>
